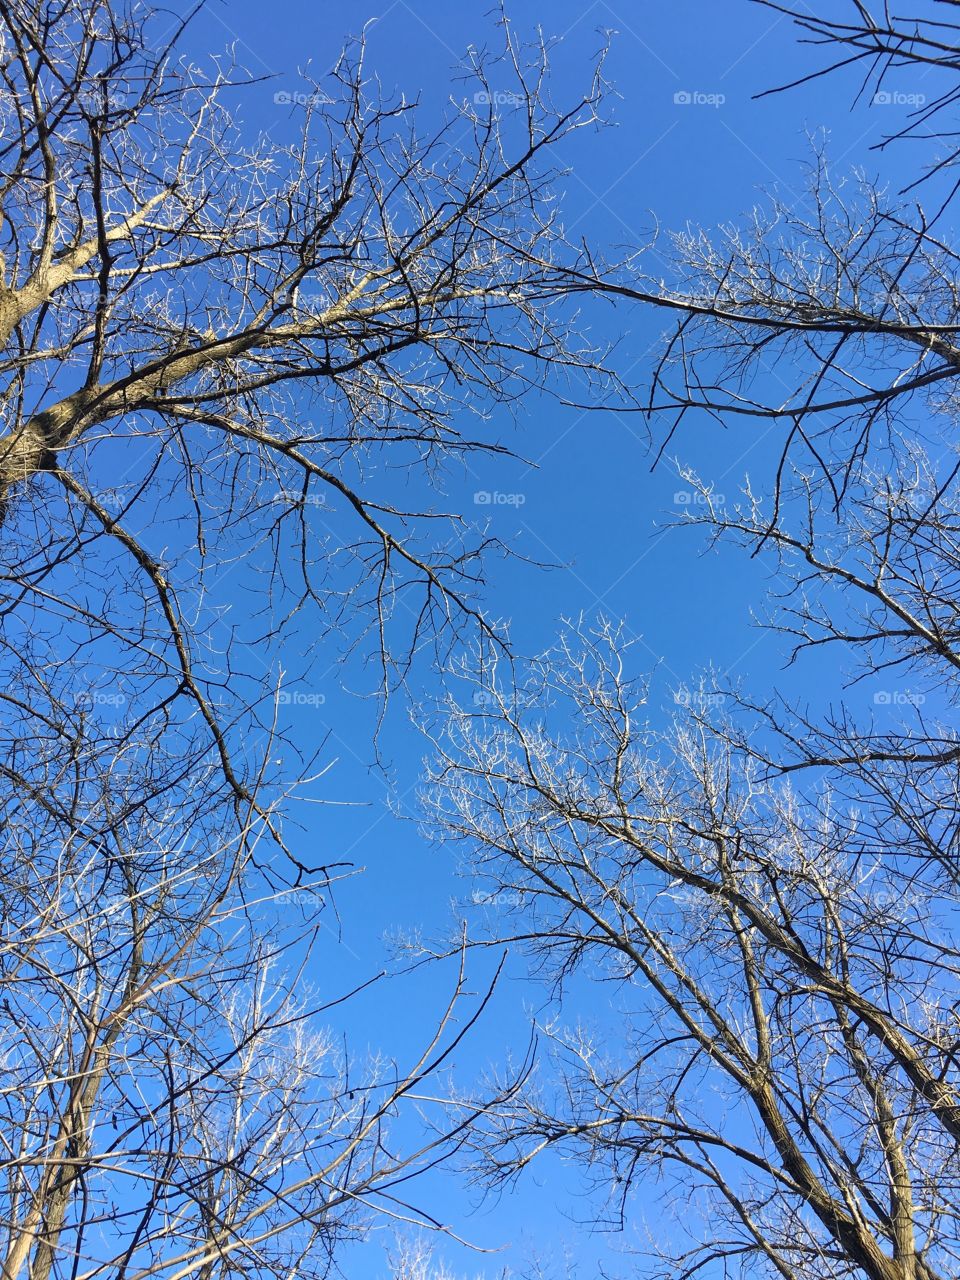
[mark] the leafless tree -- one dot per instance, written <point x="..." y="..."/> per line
<point x="768" y="892"/>
<point x="879" y="43"/>
<point x="830" y="322"/>
<point x="779" y="1056"/>
<point x="215" y="350"/>
<point x="175" y="1099"/>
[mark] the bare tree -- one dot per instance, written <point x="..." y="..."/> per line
<point x="879" y="44"/>
<point x="834" y="320"/>
<point x="212" y="344"/>
<point x="768" y="892"/>
<point x="175" y="1099"/>
<point x="780" y="1054"/>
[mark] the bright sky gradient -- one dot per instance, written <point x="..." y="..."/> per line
<point x="585" y="500"/>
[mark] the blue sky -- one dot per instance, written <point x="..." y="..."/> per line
<point x="688" y="143"/>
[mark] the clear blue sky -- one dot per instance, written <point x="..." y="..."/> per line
<point x="589" y="501"/>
